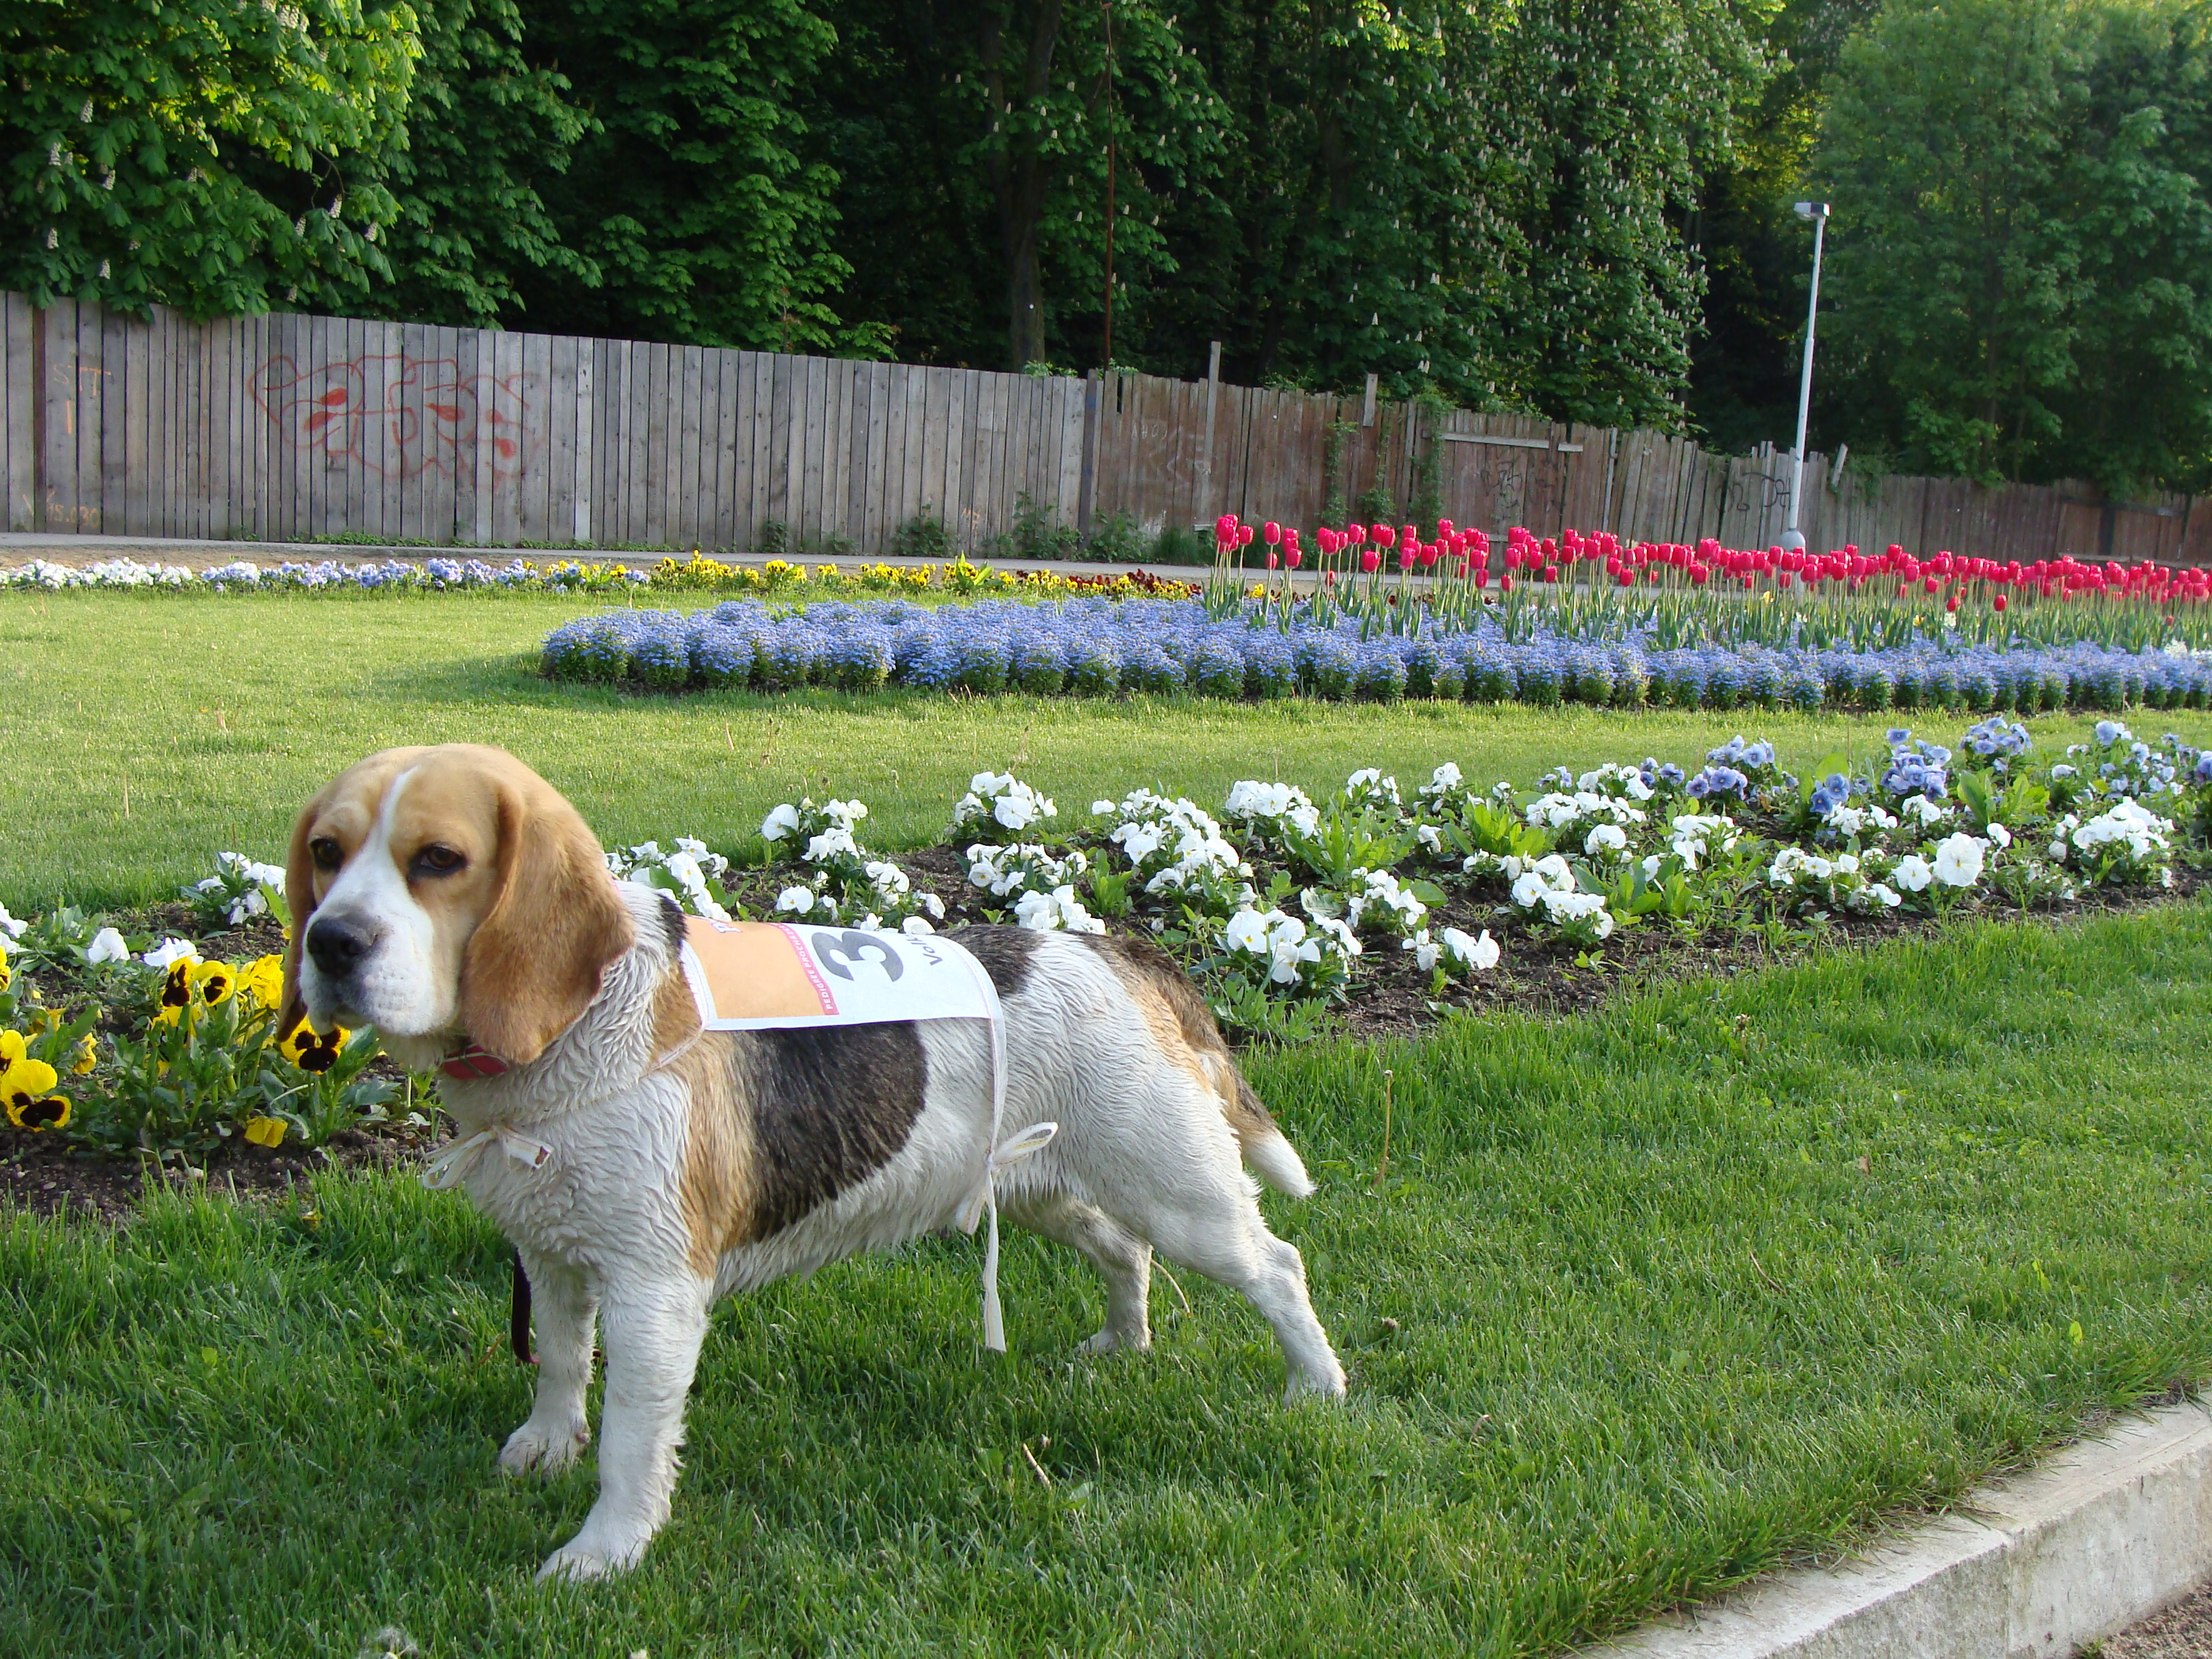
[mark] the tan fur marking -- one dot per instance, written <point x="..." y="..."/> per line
<point x="1184" y="1028"/>
<point x="718" y="1183"/>
<point x="675" y="1016"/>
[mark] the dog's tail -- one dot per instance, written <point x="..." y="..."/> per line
<point x="1266" y="1149"/>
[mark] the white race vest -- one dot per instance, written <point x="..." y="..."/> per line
<point x="771" y="976"/>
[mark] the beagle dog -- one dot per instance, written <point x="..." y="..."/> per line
<point x="644" y="1167"/>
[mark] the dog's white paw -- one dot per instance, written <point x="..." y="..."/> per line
<point x="1310" y="1385"/>
<point x="536" y="1446"/>
<point x="586" y="1557"/>
<point x="1110" y="1340"/>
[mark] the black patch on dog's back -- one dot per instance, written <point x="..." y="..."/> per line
<point x="671" y="922"/>
<point x="1004" y="952"/>
<point x="830" y="1107"/>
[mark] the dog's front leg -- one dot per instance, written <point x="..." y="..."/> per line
<point x="558" y="1429"/>
<point x="654" y="1329"/>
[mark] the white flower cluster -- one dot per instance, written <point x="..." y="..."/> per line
<point x="999" y="801"/>
<point x="1311" y="958"/>
<point x="108" y="573"/>
<point x="1022" y="867"/>
<point x="1264" y="809"/>
<point x="1924" y="811"/>
<point x="1368" y="791"/>
<point x="1845" y="881"/>
<point x="690" y="873"/>
<point x="823" y="835"/>
<point x="235" y="892"/>
<point x="1176" y="845"/>
<point x="1380" y="901"/>
<point x="1447" y="793"/>
<point x="1615" y="779"/>
<point x="846" y="885"/>
<point x="2126" y="838"/>
<point x="1456" y="952"/>
<point x="1057" y="910"/>
<point x="1697" y="836"/>
<point x="1547" y="884"/>
<point x="1852" y="821"/>
<point x="1565" y="814"/>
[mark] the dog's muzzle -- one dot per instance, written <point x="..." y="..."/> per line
<point x="339" y="946"/>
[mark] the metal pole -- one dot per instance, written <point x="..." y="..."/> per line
<point x="1792" y="538"/>
<point x="1106" y="350"/>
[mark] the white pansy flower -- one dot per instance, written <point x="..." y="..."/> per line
<point x="2000" y="835"/>
<point x="1606" y="838"/>
<point x="1246" y="931"/>
<point x="171" y="951"/>
<point x="1480" y="954"/>
<point x="797" y="900"/>
<point x="9" y="925"/>
<point x="1958" y="861"/>
<point x="780" y="823"/>
<point x="107" y="945"/>
<point x="1913" y="873"/>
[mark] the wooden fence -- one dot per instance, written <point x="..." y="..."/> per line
<point x="297" y="427"/>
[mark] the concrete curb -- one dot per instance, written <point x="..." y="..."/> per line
<point x="2103" y="1535"/>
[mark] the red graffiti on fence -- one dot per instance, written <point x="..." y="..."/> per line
<point x="431" y="417"/>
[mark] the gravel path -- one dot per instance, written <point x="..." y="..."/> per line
<point x="2184" y="1630"/>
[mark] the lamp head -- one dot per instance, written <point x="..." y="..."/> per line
<point x="1814" y="210"/>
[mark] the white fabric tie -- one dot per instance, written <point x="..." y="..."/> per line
<point x="451" y="1166"/>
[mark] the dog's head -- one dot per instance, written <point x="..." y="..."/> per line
<point x="448" y="891"/>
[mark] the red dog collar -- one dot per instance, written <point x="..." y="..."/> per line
<point x="470" y="1064"/>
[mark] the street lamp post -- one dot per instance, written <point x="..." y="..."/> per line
<point x="1794" y="538"/>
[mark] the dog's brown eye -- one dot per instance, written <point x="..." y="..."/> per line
<point x="328" y="855"/>
<point x="436" y="860"/>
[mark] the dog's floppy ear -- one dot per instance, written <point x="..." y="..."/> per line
<point x="535" y="961"/>
<point x="300" y="899"/>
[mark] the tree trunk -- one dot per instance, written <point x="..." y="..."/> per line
<point x="1018" y="179"/>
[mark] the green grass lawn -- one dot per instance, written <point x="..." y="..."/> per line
<point x="143" y="732"/>
<point x="1722" y="1273"/>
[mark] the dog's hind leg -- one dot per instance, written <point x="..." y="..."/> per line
<point x="1123" y="1260"/>
<point x="556" y="1430"/>
<point x="1198" y="1211"/>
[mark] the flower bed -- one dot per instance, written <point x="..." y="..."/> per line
<point x="1377" y="904"/>
<point x="1267" y="649"/>
<point x="695" y="574"/>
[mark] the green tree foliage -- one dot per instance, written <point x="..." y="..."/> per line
<point x="2023" y="240"/>
<point x="198" y="153"/>
<point x="972" y="140"/>
<point x="483" y="126"/>
<point x="702" y="216"/>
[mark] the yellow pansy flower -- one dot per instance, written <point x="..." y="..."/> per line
<point x="25" y="1083"/>
<point x="176" y="992"/>
<point x="39" y="1111"/>
<point x="214" y="983"/>
<point x="266" y="1131"/>
<point x="310" y="1052"/>
<point x="6" y="972"/>
<point x="88" y="1055"/>
<point x="263" y="979"/>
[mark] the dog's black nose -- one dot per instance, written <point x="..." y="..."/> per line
<point x="338" y="945"/>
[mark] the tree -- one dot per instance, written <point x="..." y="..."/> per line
<point x="691" y="196"/>
<point x="216" y="157"/>
<point x="483" y="126"/>
<point x="2021" y="239"/>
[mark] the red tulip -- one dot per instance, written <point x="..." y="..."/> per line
<point x="1355" y="533"/>
<point x="1505" y="582"/>
<point x="1551" y="573"/>
<point x="1297" y="558"/>
<point x="1270" y="558"/>
<point x="1406" y="556"/>
<point x="1384" y="536"/>
<point x="1243" y="535"/>
<point x="2000" y="602"/>
<point x="1273" y="531"/>
<point x="1952" y="604"/>
<point x="1443" y="528"/>
<point x="1370" y="561"/>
